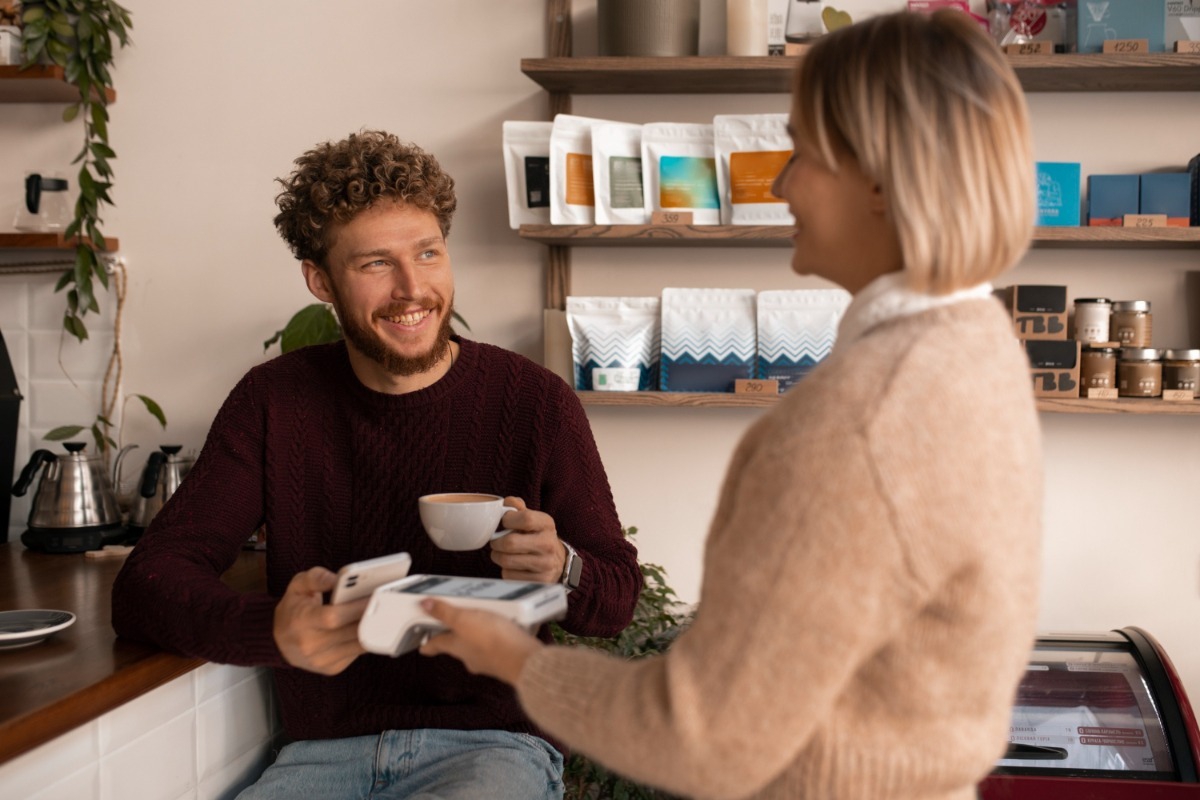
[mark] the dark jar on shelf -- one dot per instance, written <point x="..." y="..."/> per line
<point x="1181" y="370"/>
<point x="1132" y="323"/>
<point x="1139" y="372"/>
<point x="1097" y="368"/>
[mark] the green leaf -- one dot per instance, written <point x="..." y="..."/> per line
<point x="313" y="324"/>
<point x="67" y="277"/>
<point x="62" y="26"/>
<point x="83" y="28"/>
<point x="267" y="344"/>
<point x="457" y="316"/>
<point x="100" y="120"/>
<point x="33" y="14"/>
<point x="63" y="433"/>
<point x="74" y="326"/>
<point x="59" y="52"/>
<point x="101" y="150"/>
<point x="154" y="409"/>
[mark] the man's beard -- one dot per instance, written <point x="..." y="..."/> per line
<point x="369" y="343"/>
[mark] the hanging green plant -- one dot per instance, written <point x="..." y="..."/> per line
<point x="77" y="35"/>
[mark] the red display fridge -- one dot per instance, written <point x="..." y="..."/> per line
<point x="1099" y="717"/>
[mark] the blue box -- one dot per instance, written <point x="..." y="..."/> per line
<point x="1058" y="194"/>
<point x="1111" y="197"/>
<point x="1121" y="19"/>
<point x="1168" y="193"/>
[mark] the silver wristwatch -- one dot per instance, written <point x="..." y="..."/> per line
<point x="572" y="568"/>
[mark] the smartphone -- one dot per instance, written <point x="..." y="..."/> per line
<point x="361" y="578"/>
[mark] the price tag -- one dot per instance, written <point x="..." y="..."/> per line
<point x="744" y="386"/>
<point x="1030" y="49"/>
<point x="1102" y="394"/>
<point x="671" y="218"/>
<point x="1126" y="47"/>
<point x="1145" y="220"/>
<point x="1178" y="395"/>
<point x="1187" y="47"/>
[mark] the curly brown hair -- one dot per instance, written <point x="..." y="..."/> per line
<point x="335" y="181"/>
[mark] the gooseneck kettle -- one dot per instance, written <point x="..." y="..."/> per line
<point x="164" y="471"/>
<point x="74" y="506"/>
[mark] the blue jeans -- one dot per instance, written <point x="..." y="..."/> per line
<point x="426" y="764"/>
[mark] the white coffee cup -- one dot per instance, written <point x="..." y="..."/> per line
<point x="462" y="520"/>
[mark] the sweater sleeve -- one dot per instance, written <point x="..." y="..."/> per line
<point x="169" y="592"/>
<point x="804" y="578"/>
<point x="585" y="515"/>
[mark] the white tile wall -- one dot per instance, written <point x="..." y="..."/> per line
<point x="31" y="320"/>
<point x="204" y="736"/>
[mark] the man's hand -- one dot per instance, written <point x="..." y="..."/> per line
<point x="486" y="643"/>
<point x="533" y="552"/>
<point x="311" y="635"/>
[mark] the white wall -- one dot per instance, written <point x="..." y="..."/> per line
<point x="215" y="101"/>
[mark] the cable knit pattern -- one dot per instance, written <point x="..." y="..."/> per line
<point x="870" y="582"/>
<point x="334" y="470"/>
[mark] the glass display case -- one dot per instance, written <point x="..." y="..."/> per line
<point x="1099" y="716"/>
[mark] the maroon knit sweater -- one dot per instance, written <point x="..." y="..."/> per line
<point x="334" y="470"/>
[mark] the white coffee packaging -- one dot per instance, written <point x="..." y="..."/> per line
<point x="796" y="331"/>
<point x="572" y="192"/>
<point x="527" y="171"/>
<point x="614" y="342"/>
<point x="679" y="166"/>
<point x="708" y="339"/>
<point x="751" y="150"/>
<point x="617" y="174"/>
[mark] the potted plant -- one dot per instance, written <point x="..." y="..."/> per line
<point x="658" y="618"/>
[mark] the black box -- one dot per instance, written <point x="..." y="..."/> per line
<point x="1055" y="367"/>
<point x="1038" y="312"/>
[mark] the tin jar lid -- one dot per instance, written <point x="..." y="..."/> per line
<point x="1182" y="355"/>
<point x="1140" y="354"/>
<point x="1098" y="300"/>
<point x="1131" y="305"/>
<point x="1102" y="348"/>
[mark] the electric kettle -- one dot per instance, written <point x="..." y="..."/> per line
<point x="74" y="506"/>
<point x="164" y="471"/>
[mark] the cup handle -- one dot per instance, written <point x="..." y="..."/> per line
<point x="503" y="531"/>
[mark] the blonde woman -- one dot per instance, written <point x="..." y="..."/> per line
<point x="871" y="572"/>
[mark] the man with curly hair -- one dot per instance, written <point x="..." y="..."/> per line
<point x="329" y="448"/>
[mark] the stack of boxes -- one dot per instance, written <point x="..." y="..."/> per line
<point x="1039" y="316"/>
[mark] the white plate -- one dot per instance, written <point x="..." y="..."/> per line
<point x="23" y="628"/>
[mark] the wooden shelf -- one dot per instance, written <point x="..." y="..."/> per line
<point x="38" y="84"/>
<point x="781" y="236"/>
<point x="47" y="241"/>
<point x="1073" y="72"/>
<point x="730" y="400"/>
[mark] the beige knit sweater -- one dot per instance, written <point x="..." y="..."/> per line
<point x="869" y="594"/>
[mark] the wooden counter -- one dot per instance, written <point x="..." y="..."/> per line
<point x="80" y="673"/>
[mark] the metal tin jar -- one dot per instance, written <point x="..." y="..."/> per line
<point x="1097" y="368"/>
<point x="1092" y="318"/>
<point x="1181" y="370"/>
<point x="1139" y="372"/>
<point x="1132" y="323"/>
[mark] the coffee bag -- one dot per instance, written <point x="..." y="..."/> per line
<point x="572" y="191"/>
<point x="708" y="339"/>
<point x="796" y="331"/>
<point x="617" y="174"/>
<point x="527" y="171"/>
<point x="680" y="171"/>
<point x="614" y="342"/>
<point x="751" y="150"/>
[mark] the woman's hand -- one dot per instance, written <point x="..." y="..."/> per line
<point x="486" y="643"/>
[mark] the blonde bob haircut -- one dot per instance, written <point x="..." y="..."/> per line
<point x="930" y="110"/>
